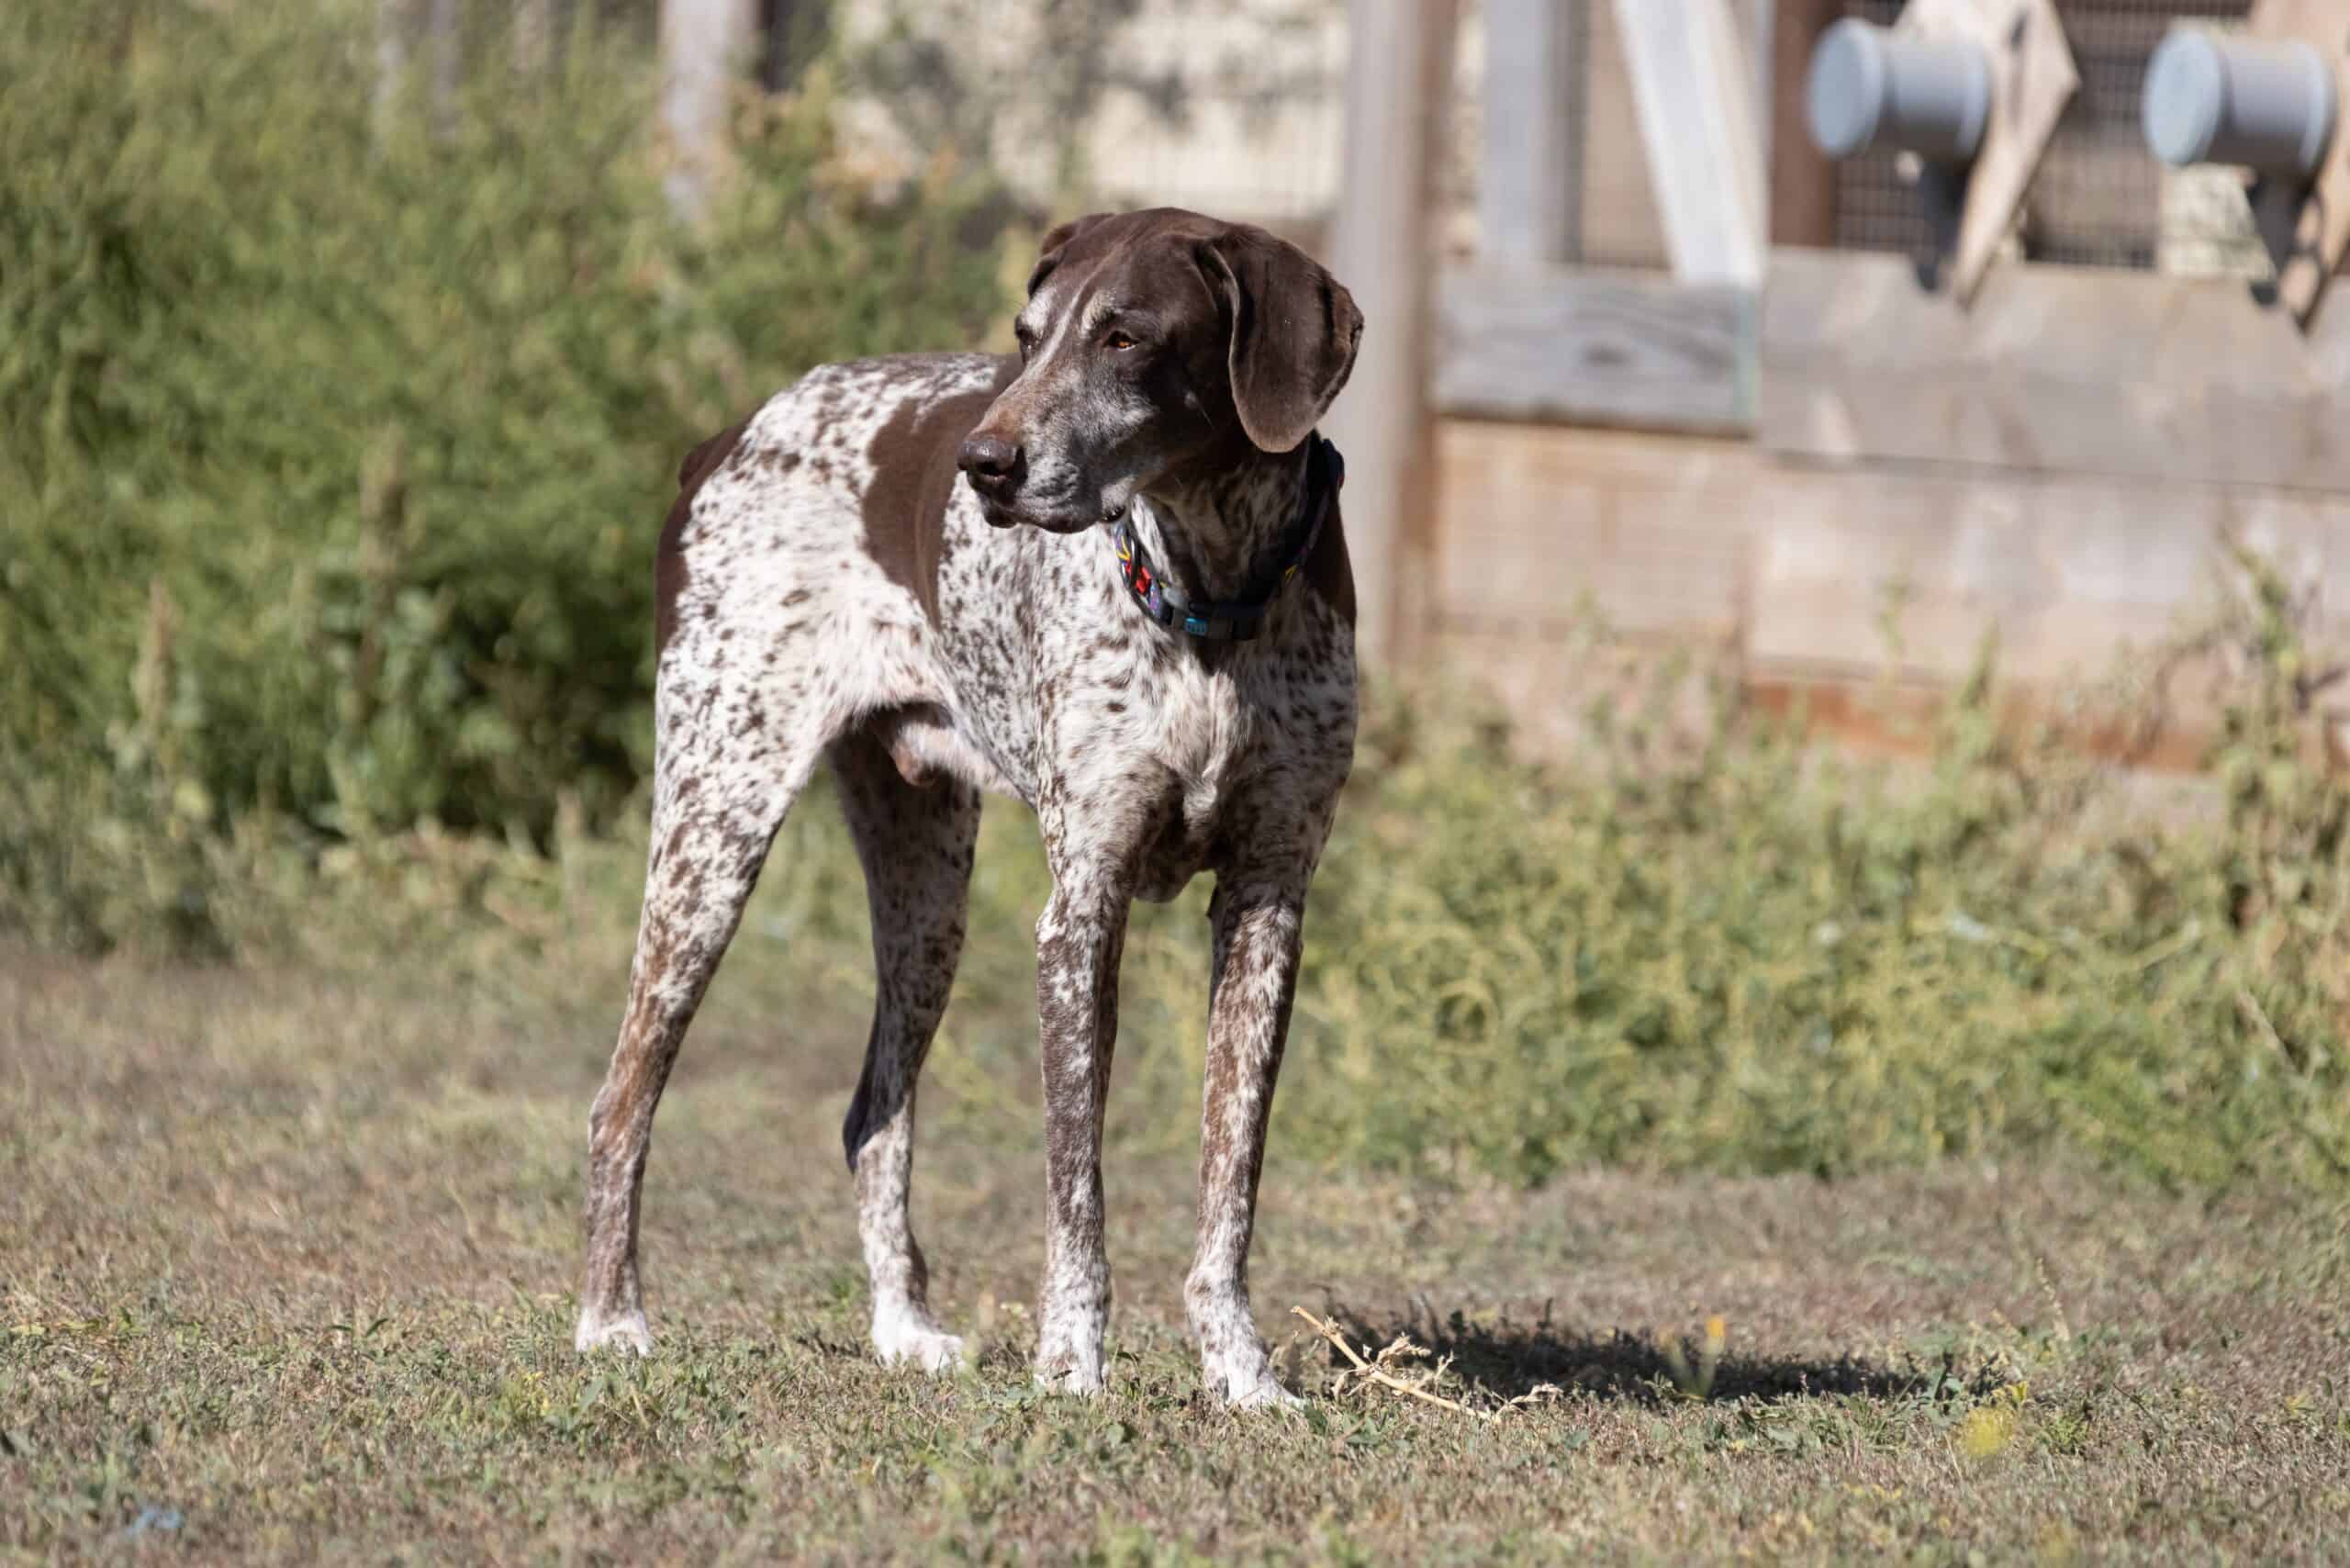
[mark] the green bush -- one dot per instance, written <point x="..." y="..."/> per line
<point x="334" y="441"/>
<point x="1728" y="953"/>
<point x="331" y="457"/>
<point x="1746" y="957"/>
<point x="1749" y="963"/>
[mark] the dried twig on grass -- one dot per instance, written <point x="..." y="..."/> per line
<point x="1379" y="1370"/>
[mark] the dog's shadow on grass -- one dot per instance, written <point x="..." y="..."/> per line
<point x="1511" y="1360"/>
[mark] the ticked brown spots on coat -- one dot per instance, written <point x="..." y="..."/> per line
<point x="914" y="478"/>
<point x="670" y="574"/>
<point x="830" y="586"/>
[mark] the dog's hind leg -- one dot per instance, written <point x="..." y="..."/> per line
<point x="915" y="840"/>
<point x="722" y="787"/>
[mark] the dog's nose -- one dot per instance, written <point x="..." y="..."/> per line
<point x="990" y="461"/>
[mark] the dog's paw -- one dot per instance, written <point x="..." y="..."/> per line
<point x="906" y="1335"/>
<point x="1069" y="1374"/>
<point x="901" y="1342"/>
<point x="1249" y="1385"/>
<point x="1264" y="1394"/>
<point x="620" y="1330"/>
<point x="1233" y="1362"/>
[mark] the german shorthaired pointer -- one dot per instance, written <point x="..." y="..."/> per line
<point x="1137" y="616"/>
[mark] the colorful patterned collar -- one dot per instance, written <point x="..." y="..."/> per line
<point x="1235" y="621"/>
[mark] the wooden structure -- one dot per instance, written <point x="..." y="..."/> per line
<point x="2309" y="231"/>
<point x="2033" y="78"/>
<point x="1762" y="446"/>
<point x="1382" y="245"/>
<point x="704" y="43"/>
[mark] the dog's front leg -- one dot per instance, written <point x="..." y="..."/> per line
<point x="1078" y="941"/>
<point x="1258" y="935"/>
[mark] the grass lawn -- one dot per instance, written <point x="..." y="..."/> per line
<point x="1777" y="1156"/>
<point x="287" y="1256"/>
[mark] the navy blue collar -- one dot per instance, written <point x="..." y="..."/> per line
<point x="1234" y="620"/>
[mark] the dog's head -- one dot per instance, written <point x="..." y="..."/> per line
<point x="1151" y="343"/>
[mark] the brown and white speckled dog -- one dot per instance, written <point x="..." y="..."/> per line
<point x="830" y="588"/>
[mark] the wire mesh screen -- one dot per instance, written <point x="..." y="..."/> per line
<point x="1237" y="106"/>
<point x="2100" y="199"/>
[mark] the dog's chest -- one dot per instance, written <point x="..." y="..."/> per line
<point x="1191" y="757"/>
<point x="1189" y="746"/>
<point x="1121" y="734"/>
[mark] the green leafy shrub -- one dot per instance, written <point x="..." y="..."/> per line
<point x="331" y="457"/>
<point x="1734" y="956"/>
<point x="1752" y="959"/>
<point x="334" y="437"/>
<point x="1752" y="963"/>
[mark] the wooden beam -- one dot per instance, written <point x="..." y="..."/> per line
<point x="2056" y="370"/>
<point x="2033" y="77"/>
<point x="1527" y="199"/>
<point x="1682" y="539"/>
<point x="1399" y="66"/>
<point x="445" y="48"/>
<point x="703" y="44"/>
<point x="1629" y="348"/>
<point x="1803" y="178"/>
<point x="1691" y="80"/>
<point x="397" y="24"/>
<point x="406" y="29"/>
<point x="1542" y="527"/>
<point x="1761" y="21"/>
<point x="530" y="35"/>
<point x="1619" y="223"/>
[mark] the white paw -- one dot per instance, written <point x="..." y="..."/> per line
<point x="1249" y="1385"/>
<point x="1264" y="1396"/>
<point x="1069" y="1374"/>
<point x="901" y="1343"/>
<point x="624" y="1330"/>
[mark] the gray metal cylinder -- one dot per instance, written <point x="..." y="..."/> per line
<point x="2267" y="104"/>
<point x="1873" y="87"/>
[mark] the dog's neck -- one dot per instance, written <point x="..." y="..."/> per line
<point x="1225" y="534"/>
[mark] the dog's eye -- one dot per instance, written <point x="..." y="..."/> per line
<point x="1118" y="342"/>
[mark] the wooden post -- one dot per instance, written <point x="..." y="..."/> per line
<point x="1398" y="71"/>
<point x="1528" y="206"/>
<point x="1802" y="179"/>
<point x="793" y="33"/>
<point x="1691" y="80"/>
<point x="445" y="46"/>
<point x="402" y="28"/>
<point x="397" y="22"/>
<point x="531" y="37"/>
<point x="2033" y="78"/>
<point x="702" y="43"/>
<point x="391" y="56"/>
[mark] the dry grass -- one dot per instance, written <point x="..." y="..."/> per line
<point x="284" y="1264"/>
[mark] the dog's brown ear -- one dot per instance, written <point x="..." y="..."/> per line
<point x="1049" y="254"/>
<point x="1294" y="332"/>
